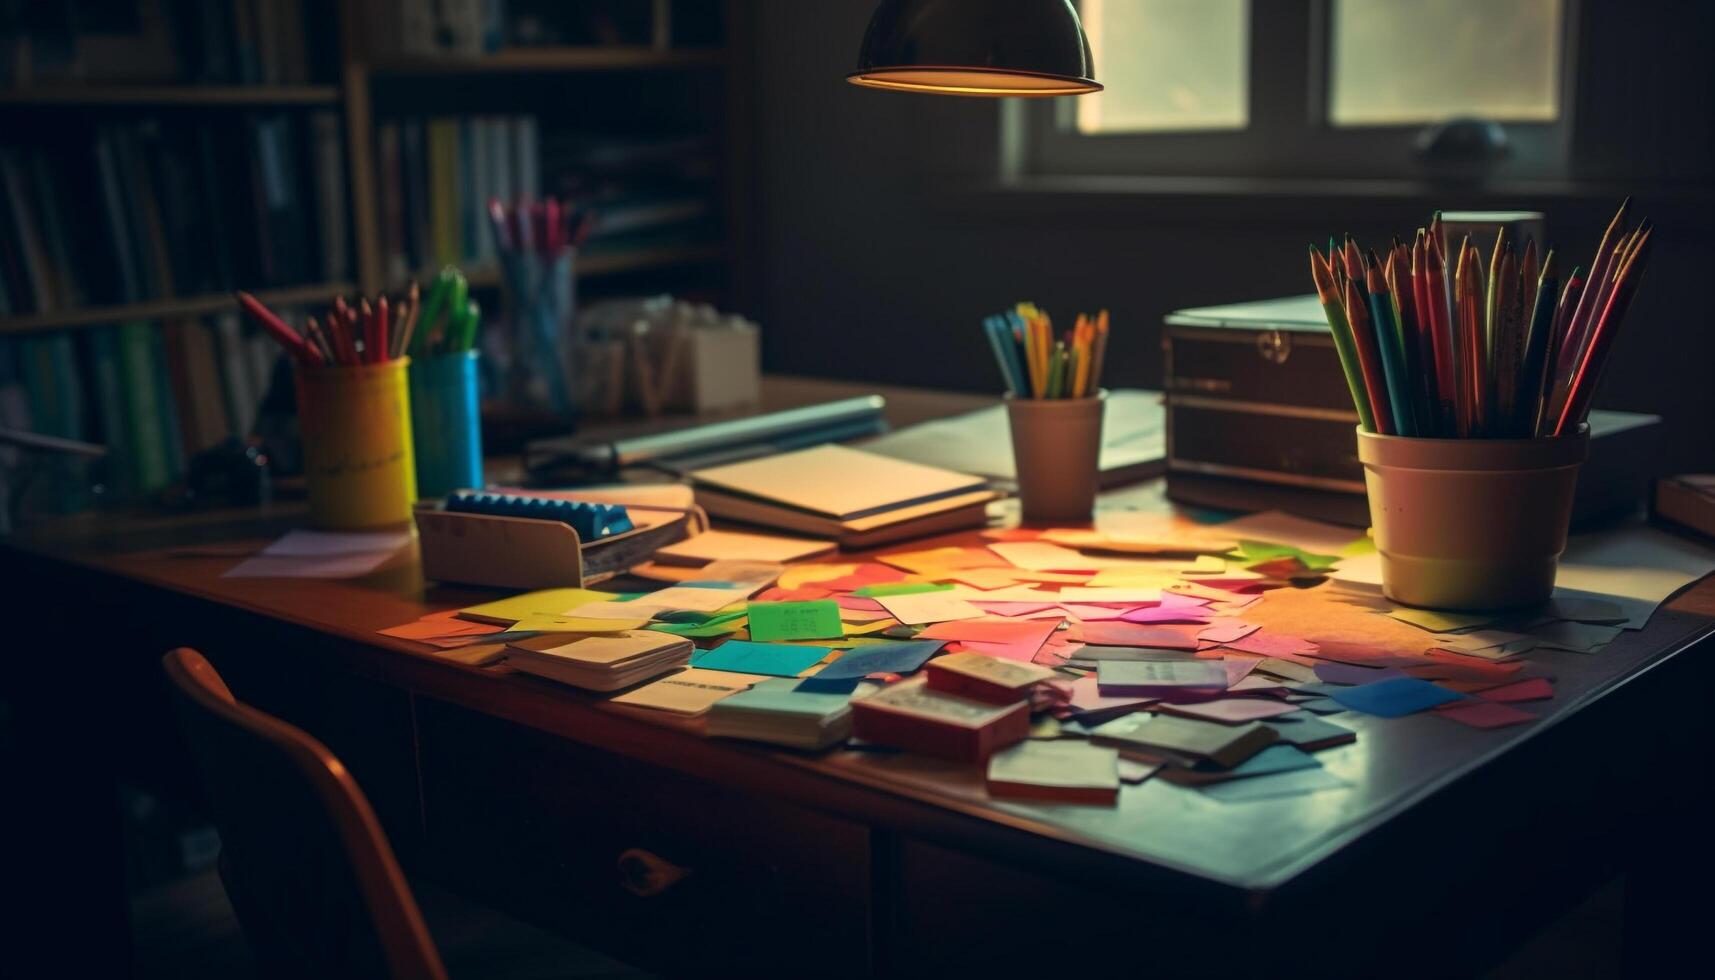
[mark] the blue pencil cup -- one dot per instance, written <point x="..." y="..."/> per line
<point x="446" y="422"/>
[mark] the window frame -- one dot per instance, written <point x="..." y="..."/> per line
<point x="1288" y="133"/>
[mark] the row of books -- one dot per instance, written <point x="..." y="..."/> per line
<point x="152" y="393"/>
<point x="642" y="190"/>
<point x="160" y="208"/>
<point x="436" y="178"/>
<point x="272" y="42"/>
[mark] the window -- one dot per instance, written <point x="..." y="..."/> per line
<point x="1495" y="60"/>
<point x="1310" y="88"/>
<point x="1168" y="65"/>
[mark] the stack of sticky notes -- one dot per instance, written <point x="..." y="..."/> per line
<point x="1063" y="771"/>
<point x="777" y="710"/>
<point x="909" y="715"/>
<point x="985" y="678"/>
<point x="1183" y="742"/>
<point x="599" y="663"/>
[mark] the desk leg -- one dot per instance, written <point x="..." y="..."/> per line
<point x="1669" y="902"/>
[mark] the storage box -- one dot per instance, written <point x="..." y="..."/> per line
<point x="1259" y="417"/>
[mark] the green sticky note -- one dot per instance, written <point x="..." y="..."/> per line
<point x="816" y="620"/>
<point x="717" y="625"/>
<point x="901" y="588"/>
<point x="1252" y="552"/>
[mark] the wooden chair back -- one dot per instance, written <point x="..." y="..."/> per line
<point x="313" y="881"/>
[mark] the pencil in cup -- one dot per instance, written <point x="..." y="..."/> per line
<point x="1034" y="364"/>
<point x="1455" y="344"/>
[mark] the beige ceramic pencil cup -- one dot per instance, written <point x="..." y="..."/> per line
<point x="1470" y="523"/>
<point x="1056" y="449"/>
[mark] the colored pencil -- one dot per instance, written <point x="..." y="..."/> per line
<point x="1037" y="364"/>
<point x="1323" y="277"/>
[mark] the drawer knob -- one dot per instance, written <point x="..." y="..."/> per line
<point x="646" y="874"/>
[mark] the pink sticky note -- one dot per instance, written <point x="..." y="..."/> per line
<point x="1225" y="630"/>
<point x="1168" y="614"/>
<point x="1486" y="714"/>
<point x="1529" y="689"/>
<point x="1087" y="697"/>
<point x="1271" y="644"/>
<point x="1089" y="612"/>
<point x="1033" y="631"/>
<point x="1233" y="711"/>
<point x="1022" y="652"/>
<point x="1175" y="599"/>
<point x="1121" y="634"/>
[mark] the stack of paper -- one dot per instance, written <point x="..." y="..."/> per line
<point x="1065" y="771"/>
<point x="599" y="663"/>
<point x="778" y="711"/>
<point x="856" y="498"/>
<point x="1182" y="741"/>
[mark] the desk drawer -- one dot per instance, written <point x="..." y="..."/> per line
<point x="663" y="870"/>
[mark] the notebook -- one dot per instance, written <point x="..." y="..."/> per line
<point x="856" y="498"/>
<point x="1134" y="440"/>
<point x="599" y="663"/>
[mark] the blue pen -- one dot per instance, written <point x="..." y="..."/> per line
<point x="989" y="331"/>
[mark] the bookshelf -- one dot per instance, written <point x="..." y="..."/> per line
<point x="164" y="96"/>
<point x="351" y="83"/>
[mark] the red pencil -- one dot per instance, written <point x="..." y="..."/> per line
<point x="284" y="335"/>
<point x="382" y="351"/>
<point x="1369" y="357"/>
<point x="1601" y="337"/>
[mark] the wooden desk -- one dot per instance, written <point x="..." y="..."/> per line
<point x="1451" y="846"/>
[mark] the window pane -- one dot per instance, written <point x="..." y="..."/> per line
<point x="1421" y="61"/>
<point x="1167" y="64"/>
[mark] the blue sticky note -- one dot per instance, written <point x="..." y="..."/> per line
<point x="774" y="659"/>
<point x="1394" y="698"/>
<point x="881" y="658"/>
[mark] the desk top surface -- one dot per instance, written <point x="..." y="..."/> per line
<point x="1254" y="845"/>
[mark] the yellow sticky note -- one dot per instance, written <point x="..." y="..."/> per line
<point x="511" y="609"/>
<point x="550" y="623"/>
<point x="859" y="629"/>
<point x="799" y="575"/>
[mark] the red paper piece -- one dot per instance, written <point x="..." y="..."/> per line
<point x="1473" y="666"/>
<point x="1168" y="614"/>
<point x="858" y="603"/>
<point x="869" y="573"/>
<point x="1529" y="689"/>
<point x="1486" y="714"/>
<point x="1270" y="644"/>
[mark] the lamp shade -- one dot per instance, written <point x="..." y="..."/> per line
<point x="976" y="47"/>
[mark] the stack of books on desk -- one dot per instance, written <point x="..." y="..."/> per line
<point x="599" y="663"/>
<point x="856" y="498"/>
<point x="909" y="715"/>
<point x="776" y="711"/>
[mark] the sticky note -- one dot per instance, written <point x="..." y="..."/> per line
<point x="775" y="660"/>
<point x="1529" y="689"/>
<point x="1348" y="674"/>
<point x="545" y="600"/>
<point x="883" y="658"/>
<point x="818" y="619"/>
<point x="1393" y="698"/>
<point x="900" y="588"/>
<point x="549" y="623"/>
<point x="928" y="607"/>
<point x="1487" y="714"/>
<point x="1122" y="634"/>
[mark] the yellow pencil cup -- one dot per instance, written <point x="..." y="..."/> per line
<point x="356" y="425"/>
<point x="1470" y="523"/>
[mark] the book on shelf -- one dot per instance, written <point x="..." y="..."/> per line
<point x="229" y="42"/>
<point x="436" y="177"/>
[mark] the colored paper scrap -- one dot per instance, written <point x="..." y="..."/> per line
<point x="928" y="607"/>
<point x="746" y="657"/>
<point x="1394" y="698"/>
<point x="1487" y="714"/>
<point x="818" y="619"/>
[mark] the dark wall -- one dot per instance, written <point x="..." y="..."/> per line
<point x="881" y="236"/>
